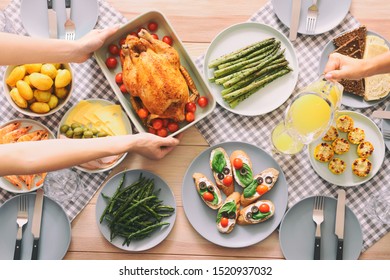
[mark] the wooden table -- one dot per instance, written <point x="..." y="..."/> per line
<point x="197" y="23"/>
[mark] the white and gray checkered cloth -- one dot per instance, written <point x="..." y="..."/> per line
<point x="222" y="125"/>
<point x="89" y="82"/>
<point x="303" y="181"/>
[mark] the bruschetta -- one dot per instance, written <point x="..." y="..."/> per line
<point x="209" y="193"/>
<point x="222" y="170"/>
<point x="262" y="183"/>
<point x="242" y="168"/>
<point x="257" y="212"/>
<point x="228" y="213"/>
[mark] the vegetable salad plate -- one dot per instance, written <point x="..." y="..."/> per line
<point x="348" y="178"/>
<point x="55" y="230"/>
<point x="162" y="191"/>
<point x="33" y="14"/>
<point x="270" y="96"/>
<point x="330" y="14"/>
<point x="37" y="181"/>
<point x="203" y="218"/>
<point x="297" y="232"/>
<point x="349" y="99"/>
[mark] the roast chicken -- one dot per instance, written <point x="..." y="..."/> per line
<point x="154" y="77"/>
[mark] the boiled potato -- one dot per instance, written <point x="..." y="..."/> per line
<point x="42" y="95"/>
<point x="63" y="78"/>
<point x="17" y="98"/>
<point x="24" y="90"/>
<point x="53" y="101"/>
<point x="40" y="107"/>
<point x="61" y="92"/>
<point x="16" y="74"/>
<point x="49" y="69"/>
<point x="31" y="68"/>
<point x="41" y="81"/>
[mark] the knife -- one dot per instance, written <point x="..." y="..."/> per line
<point x="295" y="12"/>
<point x="36" y="223"/>
<point x="381" y="115"/>
<point x="52" y="16"/>
<point x="339" y="228"/>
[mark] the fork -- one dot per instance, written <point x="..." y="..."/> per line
<point x="386" y="134"/>
<point x="21" y="220"/>
<point x="70" y="27"/>
<point x="311" y="19"/>
<point x="318" y="218"/>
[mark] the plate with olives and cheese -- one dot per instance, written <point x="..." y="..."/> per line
<point x="207" y="219"/>
<point x="94" y="118"/>
<point x="350" y="153"/>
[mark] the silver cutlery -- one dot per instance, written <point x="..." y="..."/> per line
<point x="311" y="19"/>
<point x="386" y="134"/>
<point x="295" y="13"/>
<point x="36" y="223"/>
<point x="318" y="218"/>
<point x="70" y="28"/>
<point x="52" y="16"/>
<point x="21" y="220"/>
<point x="339" y="224"/>
<point x="381" y="115"/>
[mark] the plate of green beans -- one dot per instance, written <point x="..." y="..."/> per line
<point x="135" y="210"/>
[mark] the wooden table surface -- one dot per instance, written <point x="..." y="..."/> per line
<point x="197" y="22"/>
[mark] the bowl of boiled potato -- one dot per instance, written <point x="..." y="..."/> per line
<point x="39" y="89"/>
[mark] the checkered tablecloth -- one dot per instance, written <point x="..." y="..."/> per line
<point x="222" y="126"/>
<point x="89" y="82"/>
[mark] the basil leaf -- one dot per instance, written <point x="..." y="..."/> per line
<point x="228" y="207"/>
<point x="218" y="162"/>
<point x="250" y="190"/>
<point x="260" y="216"/>
<point x="215" y="200"/>
<point x="247" y="178"/>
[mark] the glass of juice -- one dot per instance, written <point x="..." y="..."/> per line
<point x="308" y="116"/>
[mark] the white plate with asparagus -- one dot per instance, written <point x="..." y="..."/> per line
<point x="251" y="68"/>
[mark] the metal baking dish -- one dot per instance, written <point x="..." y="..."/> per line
<point x="164" y="28"/>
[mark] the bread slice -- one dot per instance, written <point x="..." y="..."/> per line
<point x="243" y="176"/>
<point x="246" y="216"/>
<point x="351" y="48"/>
<point x="219" y="155"/>
<point x="360" y="33"/>
<point x="354" y="86"/>
<point x="232" y="215"/>
<point x="200" y="179"/>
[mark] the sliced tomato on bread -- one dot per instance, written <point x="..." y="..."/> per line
<point x="242" y="168"/>
<point x="222" y="170"/>
<point x="257" y="212"/>
<point x="228" y="213"/>
<point x="209" y="193"/>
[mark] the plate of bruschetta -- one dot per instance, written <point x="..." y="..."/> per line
<point x="234" y="194"/>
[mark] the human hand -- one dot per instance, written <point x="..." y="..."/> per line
<point x="344" y="67"/>
<point x="92" y="41"/>
<point x="153" y="146"/>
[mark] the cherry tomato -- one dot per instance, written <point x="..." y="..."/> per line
<point x="208" y="196"/>
<point x="122" y="41"/>
<point x="118" y="78"/>
<point x="203" y="101"/>
<point x="162" y="132"/>
<point x="152" y="26"/>
<point x="143" y="113"/>
<point x="237" y="163"/>
<point x="123" y="88"/>
<point x="167" y="40"/>
<point x="224" y="222"/>
<point x="165" y="122"/>
<point x="111" y="62"/>
<point x="190" y="107"/>
<point x="152" y="130"/>
<point x="173" y="127"/>
<point x="190" y="116"/>
<point x="157" y="124"/>
<point x="155" y="36"/>
<point x="264" y="208"/>
<point x="113" y="49"/>
<point x="228" y="180"/>
<point x="261" y="189"/>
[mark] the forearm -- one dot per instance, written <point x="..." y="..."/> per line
<point x="48" y="155"/>
<point x="378" y="65"/>
<point x="31" y="50"/>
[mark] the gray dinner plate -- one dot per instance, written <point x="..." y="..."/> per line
<point x="349" y="99"/>
<point x="165" y="194"/>
<point x="55" y="230"/>
<point x="385" y="125"/>
<point x="203" y="218"/>
<point x="296" y="234"/>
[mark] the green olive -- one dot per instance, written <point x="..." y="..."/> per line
<point x="94" y="130"/>
<point x="69" y="133"/>
<point x="101" y="134"/>
<point x="88" y="134"/>
<point x="78" y="131"/>
<point x="64" y="128"/>
<point x="77" y="136"/>
<point x="75" y="125"/>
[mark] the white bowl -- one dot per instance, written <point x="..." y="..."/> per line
<point x="27" y="111"/>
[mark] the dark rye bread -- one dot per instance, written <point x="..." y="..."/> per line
<point x="351" y="48"/>
<point x="354" y="86"/>
<point x="359" y="32"/>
